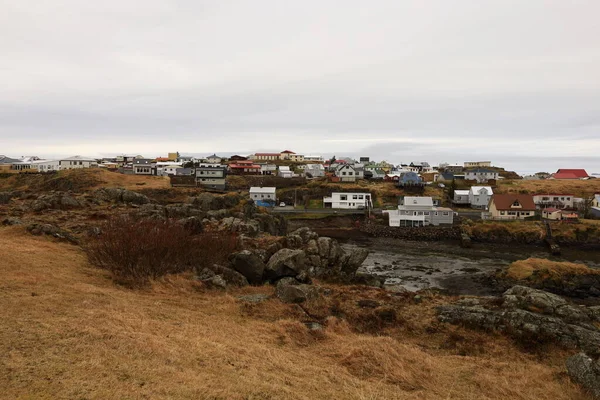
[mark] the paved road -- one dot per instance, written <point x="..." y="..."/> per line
<point x="291" y="210"/>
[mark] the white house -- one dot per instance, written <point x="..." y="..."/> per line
<point x="77" y="162"/>
<point x="353" y="201"/>
<point x="479" y="196"/>
<point x="263" y="196"/>
<point x="214" y="159"/>
<point x="315" y="170"/>
<point x="481" y="175"/>
<point x="554" y="200"/>
<point x="46" y="165"/>
<point x="346" y="173"/>
<point x="477" y="164"/>
<point x="285" y="172"/>
<point x="461" y="197"/>
<point x="268" y="169"/>
<point x="166" y="168"/>
<point x="143" y="166"/>
<point x="419" y="211"/>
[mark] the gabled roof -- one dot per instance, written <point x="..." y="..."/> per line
<point x="505" y="201"/>
<point x="78" y="158"/>
<point x="264" y="190"/>
<point x="213" y="156"/>
<point x="8" y="160"/>
<point x="418" y="201"/>
<point x="579" y="173"/>
<point x="461" y="192"/>
<point x="476" y="189"/>
<point x="565" y="175"/>
<point x="287" y="152"/>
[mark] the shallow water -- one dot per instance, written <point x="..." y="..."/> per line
<point x="445" y="265"/>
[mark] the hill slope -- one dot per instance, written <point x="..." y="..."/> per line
<point x="68" y="332"/>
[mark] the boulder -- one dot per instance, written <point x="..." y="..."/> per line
<point x="288" y="290"/>
<point x="51" y="230"/>
<point x="129" y="196"/>
<point x="5" y="197"/>
<point x="354" y="261"/>
<point x="362" y="278"/>
<point x="305" y="234"/>
<point x="121" y="196"/>
<point x="8" y="221"/>
<point x="586" y="372"/>
<point x="294" y="241"/>
<point x="286" y="262"/>
<point x="58" y="200"/>
<point x="249" y="265"/>
<point x="230" y="276"/>
<point x="530" y="315"/>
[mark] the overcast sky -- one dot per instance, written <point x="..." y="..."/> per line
<point x="516" y="82"/>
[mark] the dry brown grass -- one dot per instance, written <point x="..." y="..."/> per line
<point x="81" y="180"/>
<point x="577" y="188"/>
<point x="68" y="332"/>
<point x="524" y="269"/>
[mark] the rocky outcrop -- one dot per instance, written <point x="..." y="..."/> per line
<point x="120" y="196"/>
<point x="248" y="264"/>
<point x="5" y="197"/>
<point x="9" y="221"/>
<point x="208" y="202"/>
<point x="565" y="279"/>
<point x="289" y="290"/>
<point x="586" y="372"/>
<point x="529" y="315"/>
<point x="57" y="200"/>
<point x="285" y="263"/>
<point x="51" y="230"/>
<point x="220" y="276"/>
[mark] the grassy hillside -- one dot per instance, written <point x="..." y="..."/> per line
<point x="577" y="188"/>
<point x="68" y="332"/>
<point x="81" y="180"/>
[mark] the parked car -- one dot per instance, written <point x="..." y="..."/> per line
<point x="282" y="204"/>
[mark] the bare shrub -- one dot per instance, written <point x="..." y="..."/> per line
<point x="135" y="251"/>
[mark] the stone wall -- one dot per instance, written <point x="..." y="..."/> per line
<point x="427" y="233"/>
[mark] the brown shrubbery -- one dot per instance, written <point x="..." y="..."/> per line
<point x="135" y="251"/>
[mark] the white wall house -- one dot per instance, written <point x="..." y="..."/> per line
<point x="166" y="168"/>
<point x="263" y="196"/>
<point x="477" y="164"/>
<point x="285" y="172"/>
<point x="461" y="197"/>
<point x="481" y="175"/>
<point x="479" y="196"/>
<point x="352" y="201"/>
<point x="315" y="170"/>
<point x="77" y="162"/>
<point x="46" y="165"/>
<point x="143" y="166"/>
<point x="268" y="169"/>
<point x="419" y="211"/>
<point x="346" y="173"/>
<point x="554" y="200"/>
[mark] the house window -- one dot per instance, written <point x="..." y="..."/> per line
<point x="445" y="213"/>
<point x="516" y="204"/>
<point x="426" y="213"/>
<point x="343" y="197"/>
<point x="502" y="213"/>
<point x="354" y="197"/>
<point x="343" y="173"/>
<point x="360" y="197"/>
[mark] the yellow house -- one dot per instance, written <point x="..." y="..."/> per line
<point x="173" y="156"/>
<point x="511" y="206"/>
<point x="596" y="200"/>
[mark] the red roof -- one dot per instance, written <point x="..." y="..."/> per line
<point x="267" y="154"/>
<point x="287" y="152"/>
<point x="579" y="173"/>
<point x="565" y="175"/>
<point x="505" y="201"/>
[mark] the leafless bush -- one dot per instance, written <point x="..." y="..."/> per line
<point x="135" y="251"/>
